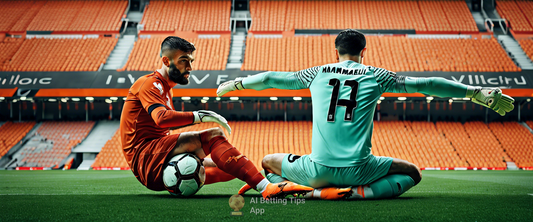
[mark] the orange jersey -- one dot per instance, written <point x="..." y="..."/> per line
<point x="147" y="114"/>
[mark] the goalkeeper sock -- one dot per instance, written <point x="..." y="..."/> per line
<point x="386" y="187"/>
<point x="215" y="175"/>
<point x="230" y="160"/>
<point x="274" y="178"/>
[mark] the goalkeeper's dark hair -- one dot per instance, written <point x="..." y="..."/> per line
<point x="172" y="43"/>
<point x="350" y="41"/>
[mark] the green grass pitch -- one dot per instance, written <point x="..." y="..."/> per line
<point x="117" y="196"/>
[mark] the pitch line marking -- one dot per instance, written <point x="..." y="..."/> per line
<point x="530" y="194"/>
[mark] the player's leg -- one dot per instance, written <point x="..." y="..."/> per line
<point x="400" y="177"/>
<point x="299" y="170"/>
<point x="231" y="161"/>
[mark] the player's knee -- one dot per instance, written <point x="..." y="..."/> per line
<point x="267" y="161"/>
<point x="214" y="132"/>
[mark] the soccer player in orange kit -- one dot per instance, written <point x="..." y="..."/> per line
<point x="148" y="115"/>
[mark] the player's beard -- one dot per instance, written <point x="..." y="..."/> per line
<point x="176" y="76"/>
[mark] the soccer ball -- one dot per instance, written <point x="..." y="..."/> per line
<point x="184" y="175"/>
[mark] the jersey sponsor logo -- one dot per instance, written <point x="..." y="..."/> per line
<point x="158" y="86"/>
<point x="343" y="71"/>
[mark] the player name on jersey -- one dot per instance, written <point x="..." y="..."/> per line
<point x="344" y="71"/>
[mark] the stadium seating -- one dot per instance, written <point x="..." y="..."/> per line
<point x="8" y="48"/>
<point x="518" y="13"/>
<point x="393" y="53"/>
<point x="527" y="46"/>
<point x="56" y="15"/>
<point x="435" y="16"/>
<point x="211" y="54"/>
<point x="11" y="12"/>
<point x="516" y="140"/>
<point x="63" y="135"/>
<point x="474" y="142"/>
<point x="111" y="154"/>
<point x="163" y="15"/>
<point x="57" y="54"/>
<point x="11" y="133"/>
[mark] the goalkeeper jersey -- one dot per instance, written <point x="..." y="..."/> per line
<point x="344" y="97"/>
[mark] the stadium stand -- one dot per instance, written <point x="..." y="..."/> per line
<point x="111" y="154"/>
<point x="392" y="53"/>
<point x="11" y="133"/>
<point x="56" y="142"/>
<point x="57" y="54"/>
<point x="11" y="12"/>
<point x="474" y="142"/>
<point x="211" y="54"/>
<point x="435" y="16"/>
<point x="8" y="48"/>
<point x="444" y="144"/>
<point x="103" y="15"/>
<point x="527" y="46"/>
<point x="193" y="15"/>
<point x="516" y="140"/>
<point x="518" y="13"/>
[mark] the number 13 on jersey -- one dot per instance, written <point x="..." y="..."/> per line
<point x="350" y="104"/>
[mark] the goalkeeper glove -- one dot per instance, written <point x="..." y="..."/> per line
<point x="492" y="98"/>
<point x="203" y="116"/>
<point x="229" y="86"/>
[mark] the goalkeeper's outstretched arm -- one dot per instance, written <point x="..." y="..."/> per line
<point x="492" y="98"/>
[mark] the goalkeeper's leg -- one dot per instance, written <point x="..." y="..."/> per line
<point x="401" y="176"/>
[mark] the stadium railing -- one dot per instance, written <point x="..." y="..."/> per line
<point x="518" y="13"/>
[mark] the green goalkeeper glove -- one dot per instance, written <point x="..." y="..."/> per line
<point x="229" y="86"/>
<point x="492" y="98"/>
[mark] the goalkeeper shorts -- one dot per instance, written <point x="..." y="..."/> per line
<point x="302" y="170"/>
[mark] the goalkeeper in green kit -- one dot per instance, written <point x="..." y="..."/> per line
<point x="345" y="95"/>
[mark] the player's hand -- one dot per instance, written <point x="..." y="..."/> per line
<point x="493" y="98"/>
<point x="229" y="86"/>
<point x="204" y="116"/>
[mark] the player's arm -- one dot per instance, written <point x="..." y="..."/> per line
<point x="436" y="86"/>
<point x="266" y="80"/>
<point x="152" y="100"/>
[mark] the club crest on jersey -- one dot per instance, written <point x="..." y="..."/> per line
<point x="160" y="87"/>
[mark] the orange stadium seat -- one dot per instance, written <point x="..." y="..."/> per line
<point x="527" y="46"/>
<point x="11" y="133"/>
<point x="160" y="15"/>
<point x="392" y="53"/>
<point x="59" y="54"/>
<point x="11" y="12"/>
<point x="64" y="135"/>
<point x="516" y="140"/>
<point x="55" y="15"/>
<point x="8" y="48"/>
<point x="517" y="13"/>
<point x="111" y="154"/>
<point x="211" y="54"/>
<point x="437" y="16"/>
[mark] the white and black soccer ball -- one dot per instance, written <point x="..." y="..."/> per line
<point x="184" y="175"/>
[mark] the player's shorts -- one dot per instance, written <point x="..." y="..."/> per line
<point x="302" y="170"/>
<point x="149" y="159"/>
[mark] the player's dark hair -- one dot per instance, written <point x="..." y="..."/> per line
<point x="176" y="43"/>
<point x="350" y="41"/>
